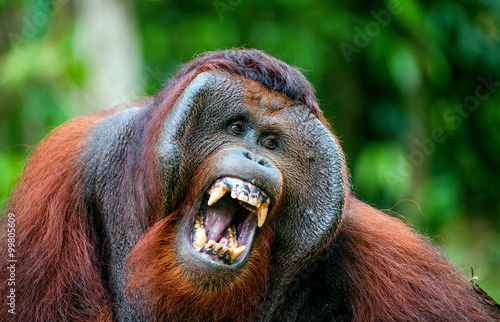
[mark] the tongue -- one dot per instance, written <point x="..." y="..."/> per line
<point x="218" y="217"/>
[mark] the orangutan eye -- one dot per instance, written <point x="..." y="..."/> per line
<point x="270" y="141"/>
<point x="237" y="127"/>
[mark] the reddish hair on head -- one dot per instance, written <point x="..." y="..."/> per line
<point x="259" y="67"/>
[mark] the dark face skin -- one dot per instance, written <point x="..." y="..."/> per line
<point x="236" y="133"/>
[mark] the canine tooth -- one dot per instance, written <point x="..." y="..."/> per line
<point x="201" y="237"/>
<point x="217" y="192"/>
<point x="217" y="247"/>
<point x="210" y="244"/>
<point x="262" y="214"/>
<point x="237" y="252"/>
<point x="224" y="250"/>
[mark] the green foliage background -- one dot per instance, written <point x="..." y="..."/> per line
<point x="401" y="92"/>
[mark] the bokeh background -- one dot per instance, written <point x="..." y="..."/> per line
<point x="411" y="87"/>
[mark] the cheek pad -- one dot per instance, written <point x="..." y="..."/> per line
<point x="313" y="193"/>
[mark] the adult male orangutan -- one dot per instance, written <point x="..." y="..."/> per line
<point x="208" y="203"/>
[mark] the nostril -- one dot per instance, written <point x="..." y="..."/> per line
<point x="248" y="155"/>
<point x="259" y="160"/>
<point x="263" y="162"/>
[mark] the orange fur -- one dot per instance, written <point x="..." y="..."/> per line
<point x="166" y="292"/>
<point x="57" y="272"/>
<point x="166" y="287"/>
<point x="396" y="275"/>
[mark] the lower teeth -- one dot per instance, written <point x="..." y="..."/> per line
<point x="228" y="253"/>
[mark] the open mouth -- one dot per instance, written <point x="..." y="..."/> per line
<point x="225" y="225"/>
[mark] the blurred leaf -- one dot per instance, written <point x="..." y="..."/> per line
<point x="404" y="68"/>
<point x="440" y="197"/>
<point x="381" y="172"/>
<point x="10" y="167"/>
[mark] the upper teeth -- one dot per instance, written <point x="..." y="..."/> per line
<point x="246" y="192"/>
